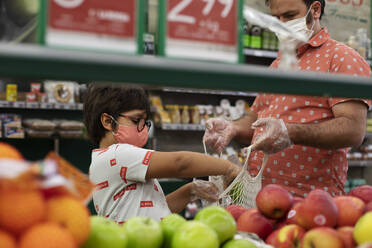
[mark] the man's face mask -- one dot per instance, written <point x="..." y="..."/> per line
<point x="299" y="26"/>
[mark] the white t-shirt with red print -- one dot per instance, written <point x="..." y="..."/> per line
<point x="122" y="191"/>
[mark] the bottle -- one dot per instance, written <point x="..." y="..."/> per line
<point x="185" y="116"/>
<point x="266" y="39"/>
<point x="246" y="35"/>
<point x="273" y="42"/>
<point x="256" y="37"/>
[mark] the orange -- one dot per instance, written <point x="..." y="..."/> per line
<point x="8" y="151"/>
<point x="71" y="214"/>
<point x="20" y="210"/>
<point x="47" y="235"/>
<point x="7" y="240"/>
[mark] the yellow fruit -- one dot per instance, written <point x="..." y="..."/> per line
<point x="8" y="151"/>
<point x="7" y="240"/>
<point x="363" y="229"/>
<point x="71" y="214"/>
<point x="47" y="235"/>
<point x="20" y="210"/>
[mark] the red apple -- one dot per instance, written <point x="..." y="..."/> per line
<point x="289" y="236"/>
<point x="292" y="214"/>
<point x="274" y="201"/>
<point x="368" y="207"/>
<point x="346" y="235"/>
<point x="318" y="209"/>
<point x="363" y="192"/>
<point x="253" y="221"/>
<point x="280" y="224"/>
<point x="322" y="237"/>
<point x="235" y="211"/>
<point x="296" y="200"/>
<point x="271" y="239"/>
<point x="350" y="209"/>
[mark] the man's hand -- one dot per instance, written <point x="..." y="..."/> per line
<point x="218" y="134"/>
<point x="204" y="190"/>
<point x="274" y="138"/>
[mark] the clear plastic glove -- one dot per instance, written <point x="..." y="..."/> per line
<point x="274" y="138"/>
<point x="218" y="134"/>
<point x="204" y="190"/>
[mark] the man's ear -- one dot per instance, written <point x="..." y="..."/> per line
<point x="316" y="10"/>
<point x="106" y="121"/>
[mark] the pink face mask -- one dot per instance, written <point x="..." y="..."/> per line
<point x="130" y="135"/>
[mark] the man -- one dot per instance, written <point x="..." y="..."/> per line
<point x="307" y="137"/>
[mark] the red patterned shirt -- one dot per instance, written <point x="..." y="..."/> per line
<point x="302" y="168"/>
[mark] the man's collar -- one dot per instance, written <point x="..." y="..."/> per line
<point x="318" y="40"/>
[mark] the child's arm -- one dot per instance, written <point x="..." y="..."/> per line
<point x="188" y="165"/>
<point x="199" y="189"/>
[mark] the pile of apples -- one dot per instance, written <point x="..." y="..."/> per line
<point x="316" y="221"/>
<point x="213" y="227"/>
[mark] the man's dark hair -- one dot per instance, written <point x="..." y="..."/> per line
<point x="308" y="4"/>
<point x="112" y="99"/>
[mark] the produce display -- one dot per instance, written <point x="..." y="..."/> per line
<point x="43" y="205"/>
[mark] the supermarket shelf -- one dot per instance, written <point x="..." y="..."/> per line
<point x="211" y="92"/>
<point x="38" y="106"/>
<point x="368" y="135"/>
<point x="260" y="53"/>
<point x="183" y="127"/>
<point x="360" y="163"/>
<point x="36" y="62"/>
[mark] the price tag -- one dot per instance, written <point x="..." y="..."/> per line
<point x="207" y="30"/>
<point x="79" y="106"/>
<point x="45" y="105"/>
<point x="19" y="104"/>
<point x="94" y="24"/>
<point x="4" y="104"/>
<point x="32" y="105"/>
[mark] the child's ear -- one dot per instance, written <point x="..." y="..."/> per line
<point x="106" y="122"/>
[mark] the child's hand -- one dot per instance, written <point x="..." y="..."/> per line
<point x="231" y="174"/>
<point x="204" y="190"/>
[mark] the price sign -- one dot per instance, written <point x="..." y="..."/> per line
<point x="115" y="25"/>
<point x="201" y="29"/>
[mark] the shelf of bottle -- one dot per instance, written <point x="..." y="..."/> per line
<point x="360" y="163"/>
<point x="37" y="105"/>
<point x="182" y="127"/>
<point x="260" y="53"/>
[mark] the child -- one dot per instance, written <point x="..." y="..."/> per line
<point x="116" y="119"/>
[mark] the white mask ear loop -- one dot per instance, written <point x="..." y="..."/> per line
<point x="117" y="123"/>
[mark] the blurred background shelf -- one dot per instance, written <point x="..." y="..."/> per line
<point x="182" y="127"/>
<point x="39" y="106"/>
<point x="260" y="53"/>
<point x="360" y="163"/>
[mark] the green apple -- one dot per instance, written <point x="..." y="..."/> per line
<point x="239" y="243"/>
<point x="220" y="220"/>
<point x="105" y="233"/>
<point x="143" y="232"/>
<point x="169" y="225"/>
<point x="195" y="234"/>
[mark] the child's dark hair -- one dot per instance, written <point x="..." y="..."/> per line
<point x="112" y="99"/>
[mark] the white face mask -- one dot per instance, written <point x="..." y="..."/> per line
<point x="299" y="26"/>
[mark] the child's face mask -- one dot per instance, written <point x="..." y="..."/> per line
<point x="130" y="135"/>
